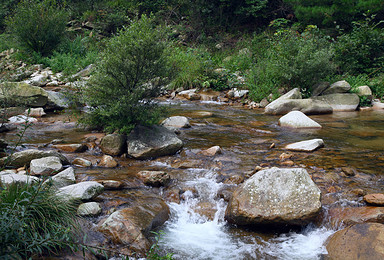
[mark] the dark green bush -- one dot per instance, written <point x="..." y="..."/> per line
<point x="362" y="50"/>
<point x="33" y="221"/>
<point x="288" y="60"/>
<point x="120" y="94"/>
<point x="39" y="26"/>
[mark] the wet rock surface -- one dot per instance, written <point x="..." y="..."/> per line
<point x="151" y="142"/>
<point x="360" y="241"/>
<point x="275" y="196"/>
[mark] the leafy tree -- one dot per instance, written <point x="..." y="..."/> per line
<point x="39" y="26"/>
<point x="6" y="8"/>
<point x="361" y="50"/>
<point x="120" y="93"/>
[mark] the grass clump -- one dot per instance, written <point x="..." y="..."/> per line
<point x="34" y="221"/>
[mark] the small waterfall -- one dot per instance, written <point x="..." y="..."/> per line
<point x="190" y="235"/>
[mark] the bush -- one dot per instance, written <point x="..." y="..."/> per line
<point x="39" y="26"/>
<point x="362" y="50"/>
<point x="120" y="94"/>
<point x="189" y="66"/>
<point x="34" y="221"/>
<point x="289" y="60"/>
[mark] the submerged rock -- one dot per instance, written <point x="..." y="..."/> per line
<point x="357" y="242"/>
<point x="297" y="119"/>
<point x="353" y="215"/>
<point x="275" y="196"/>
<point x="375" y="199"/>
<point x="151" y="142"/>
<point x="108" y="162"/>
<point x="154" y="178"/>
<point x="71" y="148"/>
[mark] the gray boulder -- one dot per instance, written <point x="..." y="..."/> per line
<point x="337" y="87"/>
<point x="275" y="196"/>
<point x="176" y="122"/>
<point x="86" y="190"/>
<point x="57" y="100"/>
<point x="113" y="144"/>
<point x="307" y="106"/>
<point x="341" y="102"/>
<point x="63" y="178"/>
<point x="306" y="146"/>
<point x="89" y="209"/>
<point x="364" y="91"/>
<point x="293" y="94"/>
<point x="297" y="119"/>
<point x="7" y="179"/>
<point x="45" y="166"/>
<point x="151" y="142"/>
<point x="20" y="159"/>
<point x="319" y="88"/>
<point x="23" y="93"/>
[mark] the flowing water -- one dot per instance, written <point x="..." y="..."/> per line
<point x="196" y="228"/>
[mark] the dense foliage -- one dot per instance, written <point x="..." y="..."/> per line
<point x="121" y="91"/>
<point x="38" y="26"/>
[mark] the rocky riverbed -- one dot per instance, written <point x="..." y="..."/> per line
<point x="222" y="180"/>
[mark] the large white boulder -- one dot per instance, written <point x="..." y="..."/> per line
<point x="275" y="196"/>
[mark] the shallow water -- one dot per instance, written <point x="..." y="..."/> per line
<point x="196" y="229"/>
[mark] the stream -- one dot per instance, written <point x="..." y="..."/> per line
<point x="196" y="228"/>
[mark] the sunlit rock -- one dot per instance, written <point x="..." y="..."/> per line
<point x="23" y="158"/>
<point x="275" y="196"/>
<point x="81" y="191"/>
<point x="306" y="146"/>
<point x="357" y="242"/>
<point x="46" y="166"/>
<point x="63" y="178"/>
<point x="89" y="209"/>
<point x="7" y="179"/>
<point x="338" y="87"/>
<point x="375" y="199"/>
<point x="130" y="226"/>
<point x="297" y="119"/>
<point x="340" y="101"/>
<point x="107" y="161"/>
<point x="307" y="106"/>
<point x="176" y="122"/>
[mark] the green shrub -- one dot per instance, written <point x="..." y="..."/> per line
<point x="288" y="60"/>
<point x="377" y="86"/>
<point x="189" y="66"/>
<point x="362" y="50"/>
<point x="34" y="221"/>
<point x="39" y="26"/>
<point x="119" y="94"/>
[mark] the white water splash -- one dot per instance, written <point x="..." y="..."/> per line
<point x="191" y="236"/>
<point x="308" y="245"/>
